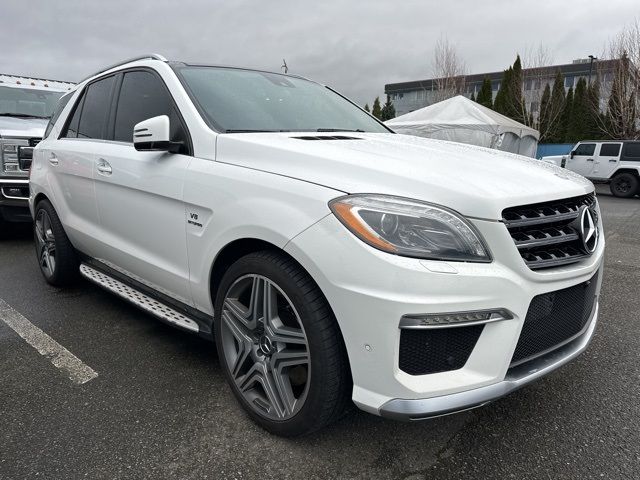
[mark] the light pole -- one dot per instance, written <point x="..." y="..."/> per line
<point x="591" y="59"/>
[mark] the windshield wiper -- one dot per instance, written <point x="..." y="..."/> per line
<point x="22" y="115"/>
<point x="339" y="130"/>
<point x="230" y="130"/>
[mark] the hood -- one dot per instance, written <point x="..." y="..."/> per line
<point x="22" y="127"/>
<point x="474" y="181"/>
<point x="554" y="159"/>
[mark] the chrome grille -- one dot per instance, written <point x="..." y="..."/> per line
<point x="546" y="234"/>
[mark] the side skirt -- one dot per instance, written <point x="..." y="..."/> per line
<point x="168" y="310"/>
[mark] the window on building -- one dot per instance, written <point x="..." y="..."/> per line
<point x="610" y="149"/>
<point x="528" y="84"/>
<point x="533" y="108"/>
<point x="568" y="81"/>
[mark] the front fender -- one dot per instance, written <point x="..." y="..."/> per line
<point x="225" y="203"/>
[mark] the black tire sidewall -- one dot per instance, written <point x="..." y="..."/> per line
<point x="628" y="177"/>
<point x="307" y="418"/>
<point x="66" y="269"/>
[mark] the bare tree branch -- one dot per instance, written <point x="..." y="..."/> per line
<point x="621" y="120"/>
<point x="448" y="70"/>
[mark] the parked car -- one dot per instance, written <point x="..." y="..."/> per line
<point x="614" y="162"/>
<point x="26" y="104"/>
<point x="330" y="259"/>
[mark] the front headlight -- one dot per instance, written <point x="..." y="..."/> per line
<point x="410" y="228"/>
<point x="9" y="158"/>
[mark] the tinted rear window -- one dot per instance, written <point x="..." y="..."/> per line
<point x="56" y="114"/>
<point x="610" y="149"/>
<point x="93" y="118"/>
<point x="632" y="150"/>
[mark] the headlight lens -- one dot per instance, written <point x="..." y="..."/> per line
<point x="410" y="228"/>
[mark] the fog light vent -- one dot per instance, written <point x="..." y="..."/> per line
<point x="454" y="319"/>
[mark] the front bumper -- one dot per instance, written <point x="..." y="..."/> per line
<point x="517" y="377"/>
<point x="369" y="291"/>
<point x="14" y="200"/>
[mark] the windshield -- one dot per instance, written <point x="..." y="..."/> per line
<point x="234" y="100"/>
<point x="27" y="102"/>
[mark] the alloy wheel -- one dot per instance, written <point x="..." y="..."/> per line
<point x="265" y="347"/>
<point x="45" y="243"/>
<point x="623" y="186"/>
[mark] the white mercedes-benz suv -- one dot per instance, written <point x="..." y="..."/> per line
<point x="330" y="259"/>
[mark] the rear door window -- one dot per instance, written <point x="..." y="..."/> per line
<point x="142" y="96"/>
<point x="56" y="113"/>
<point x="585" y="149"/>
<point x="609" y="149"/>
<point x="71" y="131"/>
<point x="95" y="110"/>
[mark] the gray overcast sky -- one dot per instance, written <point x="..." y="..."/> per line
<point x="356" y="47"/>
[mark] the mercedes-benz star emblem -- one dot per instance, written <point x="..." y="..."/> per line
<point x="266" y="346"/>
<point x="588" y="230"/>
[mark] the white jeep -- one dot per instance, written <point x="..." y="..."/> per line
<point x="614" y="162"/>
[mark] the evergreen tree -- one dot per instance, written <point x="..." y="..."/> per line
<point x="576" y="127"/>
<point x="388" y="110"/>
<point x="366" y="108"/>
<point x="594" y="117"/>
<point x="376" y="111"/>
<point x="565" y="118"/>
<point x="473" y="97"/>
<point x="515" y="106"/>
<point x="556" y="105"/>
<point x="544" y="118"/>
<point x="485" y="95"/>
<point x="499" y="104"/>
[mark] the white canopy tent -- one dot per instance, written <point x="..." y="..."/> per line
<point x="459" y="119"/>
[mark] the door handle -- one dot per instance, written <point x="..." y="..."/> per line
<point x="104" y="168"/>
<point x="589" y="159"/>
<point x="613" y="160"/>
<point x="53" y="160"/>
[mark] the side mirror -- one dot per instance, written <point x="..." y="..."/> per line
<point x="573" y="152"/>
<point x="152" y="135"/>
<point x="25" y="157"/>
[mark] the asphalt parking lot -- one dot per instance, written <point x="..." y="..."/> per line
<point x="159" y="406"/>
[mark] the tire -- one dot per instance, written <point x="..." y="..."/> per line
<point x="56" y="256"/>
<point x="625" y="185"/>
<point x="297" y="354"/>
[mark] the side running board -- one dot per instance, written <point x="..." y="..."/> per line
<point x="139" y="299"/>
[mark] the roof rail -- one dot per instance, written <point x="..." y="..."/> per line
<point x="150" y="56"/>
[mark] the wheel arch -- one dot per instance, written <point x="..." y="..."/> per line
<point x="631" y="170"/>
<point x="237" y="249"/>
<point x="39" y="197"/>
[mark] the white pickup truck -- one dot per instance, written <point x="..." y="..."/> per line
<point x="614" y="162"/>
<point x="26" y="105"/>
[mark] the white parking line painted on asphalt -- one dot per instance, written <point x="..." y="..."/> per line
<point x="62" y="358"/>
